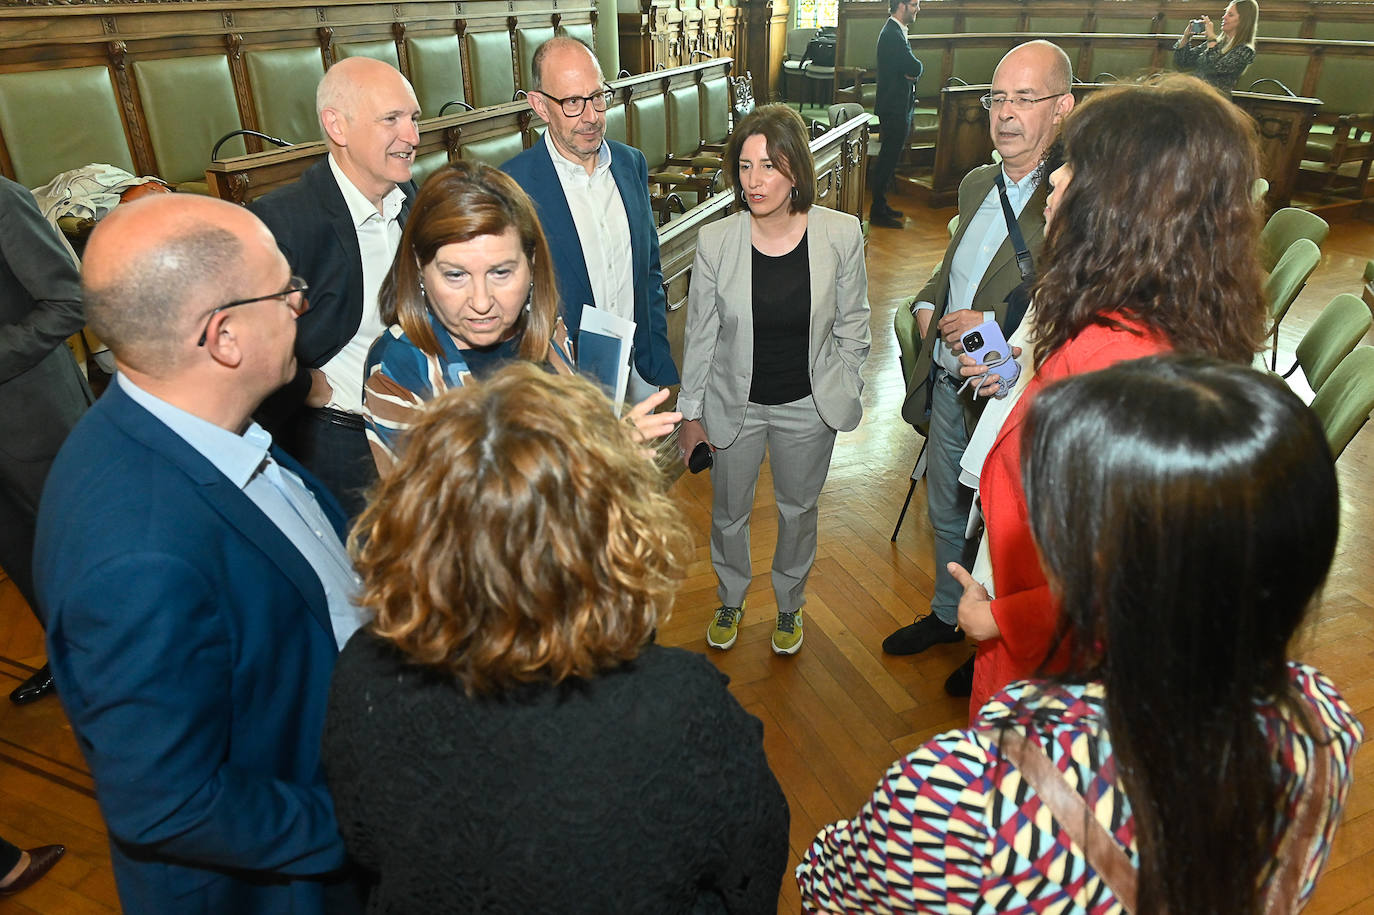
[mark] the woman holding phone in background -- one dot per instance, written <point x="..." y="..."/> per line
<point x="1220" y="60"/>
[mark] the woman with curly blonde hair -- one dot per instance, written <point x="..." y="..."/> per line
<point x="504" y="734"/>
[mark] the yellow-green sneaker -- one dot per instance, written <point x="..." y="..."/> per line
<point x="724" y="628"/>
<point x="787" y="634"/>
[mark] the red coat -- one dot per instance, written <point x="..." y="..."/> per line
<point x="1023" y="609"/>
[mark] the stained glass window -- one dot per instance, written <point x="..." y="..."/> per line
<point x="812" y="14"/>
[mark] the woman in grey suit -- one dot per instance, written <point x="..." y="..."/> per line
<point x="777" y="331"/>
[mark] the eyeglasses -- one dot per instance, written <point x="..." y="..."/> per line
<point x="574" y="105"/>
<point x="1018" y="103"/>
<point x="299" y="307"/>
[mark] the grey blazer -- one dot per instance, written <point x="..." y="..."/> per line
<point x="718" y="364"/>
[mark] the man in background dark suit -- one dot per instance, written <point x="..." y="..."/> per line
<point x="193" y="577"/>
<point x="42" y="393"/>
<point x="898" y="71"/>
<point x="592" y="195"/>
<point x="339" y="226"/>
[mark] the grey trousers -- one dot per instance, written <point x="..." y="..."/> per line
<point x="799" y="444"/>
<point x="948" y="499"/>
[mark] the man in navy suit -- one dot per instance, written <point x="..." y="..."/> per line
<point x="595" y="191"/>
<point x="339" y="226"/>
<point x="192" y="576"/>
<point x="898" y="70"/>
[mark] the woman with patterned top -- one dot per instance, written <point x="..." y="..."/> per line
<point x="471" y="289"/>
<point x="504" y="735"/>
<point x="1221" y="60"/>
<point x="1186" y="512"/>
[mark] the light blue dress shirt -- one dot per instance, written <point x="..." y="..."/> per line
<point x="280" y="494"/>
<point x="986" y="232"/>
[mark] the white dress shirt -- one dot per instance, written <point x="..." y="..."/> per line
<point x="987" y="230"/>
<point x="379" y="233"/>
<point x="603" y="230"/>
<point x="281" y="495"/>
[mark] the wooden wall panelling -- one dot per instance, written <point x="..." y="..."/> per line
<point x="114" y="37"/>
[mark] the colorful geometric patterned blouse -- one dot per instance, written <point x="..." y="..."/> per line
<point x="953" y="828"/>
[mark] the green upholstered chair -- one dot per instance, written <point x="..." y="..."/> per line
<point x="493" y="151"/>
<point x="489" y="63"/>
<point x="527" y="41"/>
<point x="582" y="31"/>
<point x="284" y="81"/>
<point x="1120" y="63"/>
<point x="1344" y="402"/>
<point x="384" y="51"/>
<point x="436" y="64"/>
<point x="649" y="129"/>
<point x="189" y="103"/>
<point x="57" y="120"/>
<point x="649" y="134"/>
<point x="715" y="111"/>
<point x="972" y="65"/>
<point x="1286" y="282"/>
<point x="1285" y="227"/>
<point x="616" y="128"/>
<point x="793" y="67"/>
<point x="426" y="165"/>
<point x="1341" y="142"/>
<point x="1335" y="333"/>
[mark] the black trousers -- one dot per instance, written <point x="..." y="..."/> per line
<point x="893" y="131"/>
<point x="9" y="857"/>
<point x="333" y="446"/>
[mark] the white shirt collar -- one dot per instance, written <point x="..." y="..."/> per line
<point x="1018" y="190"/>
<point x="575" y="169"/>
<point x="360" y="209"/>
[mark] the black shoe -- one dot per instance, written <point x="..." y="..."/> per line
<point x="893" y="212"/>
<point x="920" y="635"/>
<point x="886" y="221"/>
<point x="34" y="688"/>
<point x="960" y="683"/>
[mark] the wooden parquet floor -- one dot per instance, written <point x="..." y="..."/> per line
<point x="839" y="712"/>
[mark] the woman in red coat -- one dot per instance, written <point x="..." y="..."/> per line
<point x="1151" y="247"/>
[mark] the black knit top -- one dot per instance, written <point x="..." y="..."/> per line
<point x="643" y="790"/>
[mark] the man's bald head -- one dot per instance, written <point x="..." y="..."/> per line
<point x="350" y="79"/>
<point x="1045" y="57"/>
<point x="156" y="266"/>
<point x="557" y="53"/>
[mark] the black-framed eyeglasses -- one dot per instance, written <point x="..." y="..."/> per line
<point x="295" y="287"/>
<point x="1018" y="103"/>
<point x="574" y="105"/>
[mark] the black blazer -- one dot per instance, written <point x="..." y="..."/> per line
<point x="896" y="93"/>
<point x="311" y="223"/>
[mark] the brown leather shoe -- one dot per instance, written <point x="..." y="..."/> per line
<point x="41" y="860"/>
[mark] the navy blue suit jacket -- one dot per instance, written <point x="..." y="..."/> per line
<point x="192" y="649"/>
<point x="533" y="171"/>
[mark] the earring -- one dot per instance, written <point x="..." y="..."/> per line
<point x="529" y="297"/>
<point x="794" y="193"/>
<point x="423" y="294"/>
